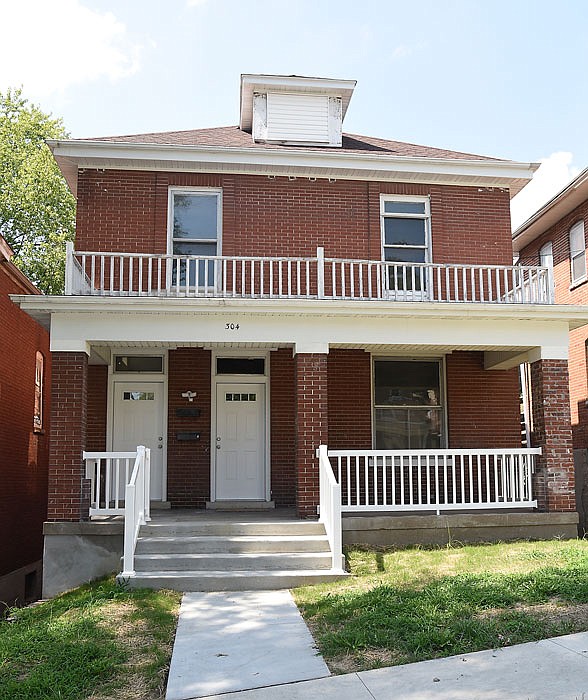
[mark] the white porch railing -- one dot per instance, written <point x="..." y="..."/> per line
<point x="438" y="480"/>
<point x="330" y="509"/>
<point x="138" y="274"/>
<point x="120" y="485"/>
<point x="136" y="507"/>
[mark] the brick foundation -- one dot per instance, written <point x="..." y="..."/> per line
<point x="554" y="477"/>
<point x="68" y="497"/>
<point x="311" y="428"/>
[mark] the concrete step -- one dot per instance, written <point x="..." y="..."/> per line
<point x="193" y="544"/>
<point x="231" y="528"/>
<point x="229" y="580"/>
<point x="232" y="562"/>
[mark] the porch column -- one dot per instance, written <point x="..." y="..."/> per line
<point x="69" y="490"/>
<point x="311" y="428"/>
<point x="554" y="477"/>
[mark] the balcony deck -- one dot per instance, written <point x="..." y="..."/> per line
<point x="138" y="275"/>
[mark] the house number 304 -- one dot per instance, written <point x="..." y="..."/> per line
<point x="231" y="326"/>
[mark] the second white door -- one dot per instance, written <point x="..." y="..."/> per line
<point x="240" y="442"/>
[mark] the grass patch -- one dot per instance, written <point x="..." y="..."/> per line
<point x="416" y="604"/>
<point x="96" y="642"/>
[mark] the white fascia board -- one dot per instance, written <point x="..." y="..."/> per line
<point x="565" y="201"/>
<point x="69" y="331"/>
<point x="111" y="155"/>
<point x="572" y="316"/>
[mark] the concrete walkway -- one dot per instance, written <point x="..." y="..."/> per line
<point x="553" y="669"/>
<point x="229" y="642"/>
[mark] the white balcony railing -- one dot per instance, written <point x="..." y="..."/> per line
<point x="434" y="480"/>
<point x="137" y="274"/>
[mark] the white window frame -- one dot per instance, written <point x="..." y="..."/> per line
<point x="576" y="253"/>
<point x="196" y="191"/>
<point x="427" y="247"/>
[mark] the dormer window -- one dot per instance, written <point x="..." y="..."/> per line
<point x="291" y="110"/>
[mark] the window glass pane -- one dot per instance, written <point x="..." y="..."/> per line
<point x="408" y="428"/>
<point x="392" y="429"/>
<point x="240" y="365"/>
<point x="138" y="363"/>
<point x="546" y="256"/>
<point x="404" y="231"/>
<point x="579" y="267"/>
<point x="577" y="243"/>
<point x="138" y="396"/>
<point x="208" y="249"/>
<point x="404" y="207"/>
<point x="195" y="216"/>
<point x="406" y="383"/>
<point x="404" y="254"/>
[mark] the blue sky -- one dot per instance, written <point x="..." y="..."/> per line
<point x="506" y="79"/>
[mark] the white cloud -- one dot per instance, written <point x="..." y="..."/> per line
<point x="49" y="45"/>
<point x="553" y="175"/>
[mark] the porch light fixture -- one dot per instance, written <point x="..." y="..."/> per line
<point x="291" y="178"/>
<point x="190" y="395"/>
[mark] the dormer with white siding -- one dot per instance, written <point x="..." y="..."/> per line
<point x="294" y="110"/>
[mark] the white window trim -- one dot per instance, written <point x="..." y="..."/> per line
<point x="426" y="216"/>
<point x="582" y="252"/>
<point x="202" y="191"/>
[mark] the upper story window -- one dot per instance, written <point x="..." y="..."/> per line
<point x="194" y="230"/>
<point x="406" y="239"/>
<point x="39" y="380"/>
<point x="577" y="252"/>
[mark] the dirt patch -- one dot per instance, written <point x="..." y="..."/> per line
<point x="553" y="612"/>
<point x="365" y="659"/>
<point x="143" y="650"/>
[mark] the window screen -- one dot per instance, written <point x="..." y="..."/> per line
<point x="240" y="365"/>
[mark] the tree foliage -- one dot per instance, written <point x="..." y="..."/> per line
<point x="37" y="211"/>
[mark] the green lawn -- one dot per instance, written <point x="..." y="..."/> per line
<point x="415" y="604"/>
<point x="96" y="642"/>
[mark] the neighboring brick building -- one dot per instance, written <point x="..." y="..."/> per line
<point x="556" y="234"/>
<point x="24" y="437"/>
<point x="238" y="296"/>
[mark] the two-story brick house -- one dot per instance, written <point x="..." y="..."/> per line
<point x="25" y="371"/>
<point x="555" y="236"/>
<point x="239" y="296"/>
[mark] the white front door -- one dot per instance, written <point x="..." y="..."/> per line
<point x="137" y="419"/>
<point x="240" y="442"/>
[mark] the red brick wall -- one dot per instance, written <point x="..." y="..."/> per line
<point x="127" y="211"/>
<point x="311" y="428"/>
<point x="482" y="405"/>
<point x="69" y="388"/>
<point x="24" y="454"/>
<point x="349" y="399"/>
<point x="559" y="237"/>
<point x="97" y="408"/>
<point x="554" y="476"/>
<point x="282" y="431"/>
<point x="188" y="463"/>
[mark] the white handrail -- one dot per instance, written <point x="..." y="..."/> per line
<point x="330" y="509"/>
<point x="258" y="277"/>
<point x="136" y="508"/>
<point x="109" y="473"/>
<point x="444" y="479"/>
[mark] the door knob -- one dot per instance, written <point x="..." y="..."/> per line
<point x="218" y="447"/>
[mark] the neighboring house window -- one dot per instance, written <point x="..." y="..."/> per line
<point x="546" y="256"/>
<point x="578" y="252"/>
<point x="406" y="239"/>
<point x="39" y="378"/>
<point x="408" y="410"/>
<point x="194" y="230"/>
